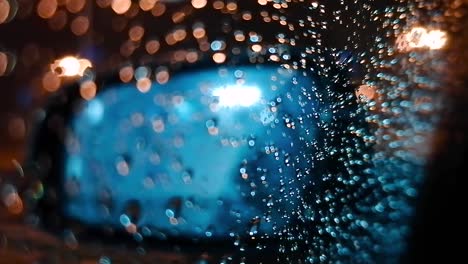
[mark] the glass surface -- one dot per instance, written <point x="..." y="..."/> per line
<point x="224" y="131"/>
<point x="200" y="156"/>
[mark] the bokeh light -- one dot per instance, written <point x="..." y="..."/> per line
<point x="328" y="112"/>
<point x="152" y="46"/>
<point x="75" y="6"/>
<point x="199" y="3"/>
<point x="136" y="33"/>
<point x="70" y="66"/>
<point x="8" y="10"/>
<point x="143" y="84"/>
<point x="7" y="62"/>
<point x="159" y="9"/>
<point x="147" y="5"/>
<point x="121" y="6"/>
<point x="47" y="8"/>
<point x="88" y="90"/>
<point x="126" y="74"/>
<point x="103" y="3"/>
<point x="365" y="93"/>
<point x="162" y="76"/>
<point x="58" y="21"/>
<point x="420" y="37"/>
<point x="80" y="25"/>
<point x="51" y="81"/>
<point x="219" y="57"/>
<point x="4" y="10"/>
<point x="3" y="63"/>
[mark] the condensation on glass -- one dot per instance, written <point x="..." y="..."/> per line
<point x="293" y="131"/>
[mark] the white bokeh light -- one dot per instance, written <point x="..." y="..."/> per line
<point x="237" y="95"/>
<point x="71" y="66"/>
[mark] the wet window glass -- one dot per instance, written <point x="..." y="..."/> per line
<point x="224" y="131"/>
<point x="199" y="155"/>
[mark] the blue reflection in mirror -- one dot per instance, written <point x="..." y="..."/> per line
<point x="205" y="155"/>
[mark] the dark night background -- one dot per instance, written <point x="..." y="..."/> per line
<point x="438" y="228"/>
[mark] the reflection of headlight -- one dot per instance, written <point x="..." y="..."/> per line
<point x="70" y="66"/>
<point x="419" y="37"/>
<point x="237" y="95"/>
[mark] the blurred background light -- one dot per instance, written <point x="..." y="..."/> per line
<point x="237" y="96"/>
<point x="70" y="66"/>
